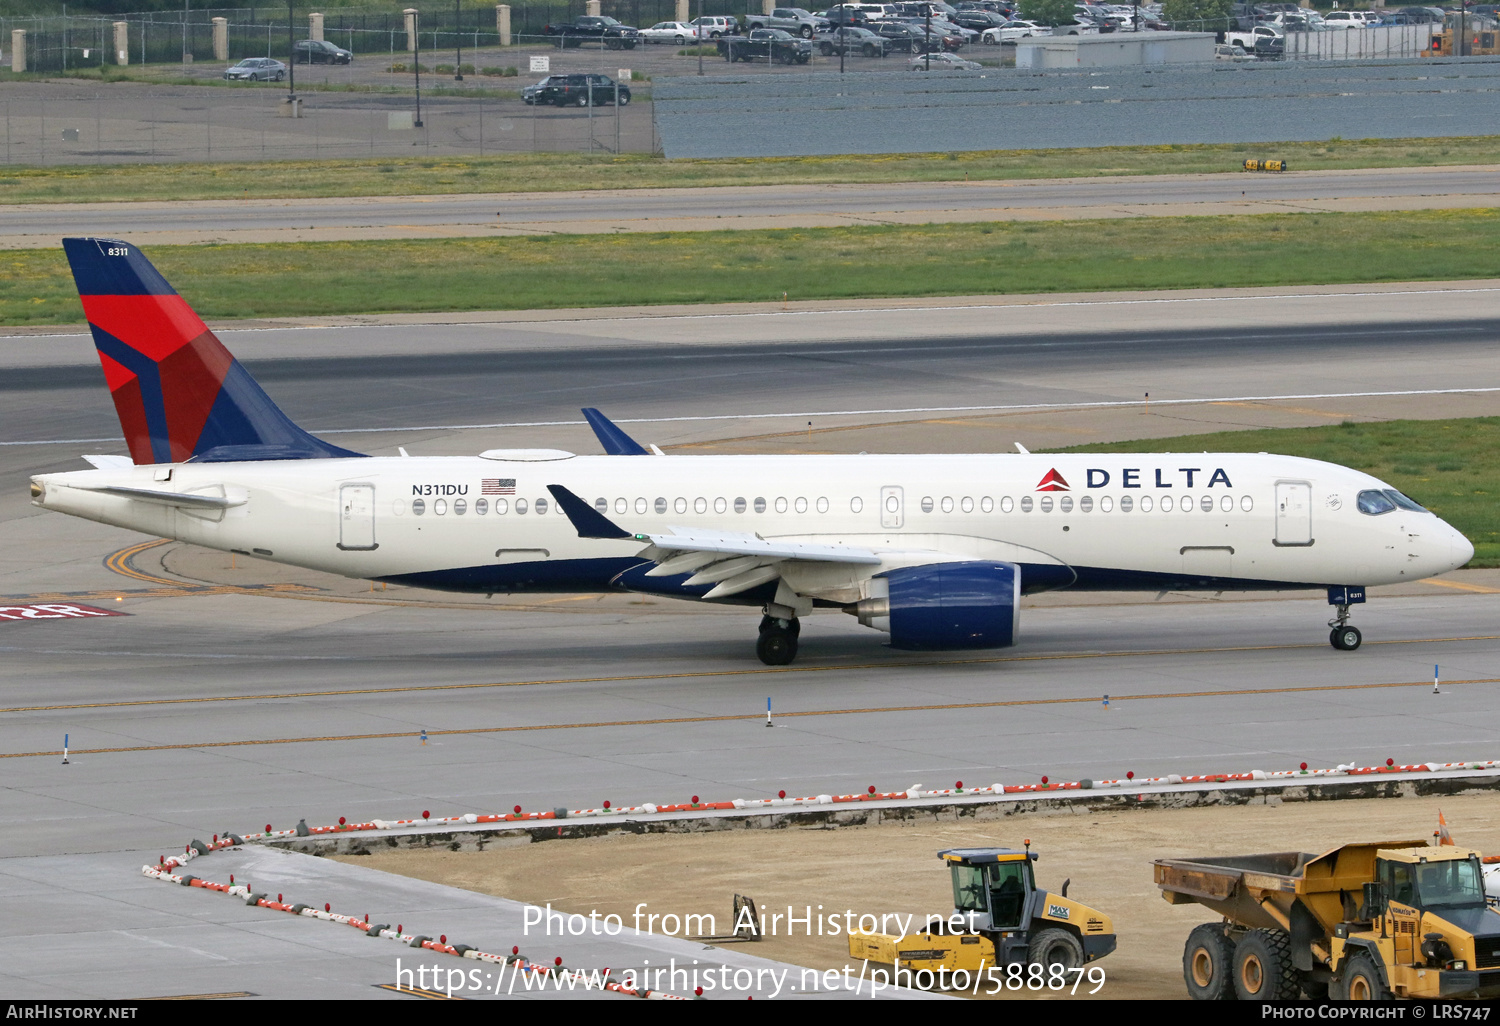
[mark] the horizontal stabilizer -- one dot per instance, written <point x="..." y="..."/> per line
<point x="187" y="499"/>
<point x="107" y="462"/>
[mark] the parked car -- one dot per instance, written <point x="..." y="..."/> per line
<point x="901" y="37"/>
<point x="582" y="91"/>
<point x="530" y="93"/>
<point x="1346" y="19"/>
<point x="792" y="19"/>
<point x="775" y="45"/>
<point x="1263" y="40"/>
<point x="591" y="28"/>
<point x="979" y="21"/>
<point x="256" y="69"/>
<point x="943" y="62"/>
<point x="320" y="51"/>
<point x="850" y="39"/>
<point x="677" y="32"/>
<point x="716" y="26"/>
<point x="1013" y="30"/>
<point x="1232" y="52"/>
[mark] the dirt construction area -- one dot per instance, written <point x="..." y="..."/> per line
<point x="893" y="869"/>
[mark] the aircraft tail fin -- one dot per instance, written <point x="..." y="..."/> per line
<point x="179" y="393"/>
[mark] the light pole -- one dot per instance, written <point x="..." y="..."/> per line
<point x="416" y="64"/>
<point x="291" y="59"/>
<point x="458" y="45"/>
<point x="699" y="34"/>
<point x="928" y="42"/>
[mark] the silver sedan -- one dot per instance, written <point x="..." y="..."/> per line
<point x="257" y="69"/>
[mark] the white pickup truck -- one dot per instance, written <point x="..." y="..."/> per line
<point x="1260" y="40"/>
<point x="791" y="19"/>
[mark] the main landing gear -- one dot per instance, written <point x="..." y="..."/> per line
<point x="778" y="640"/>
<point x="1343" y="636"/>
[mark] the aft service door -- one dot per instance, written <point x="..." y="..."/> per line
<point x="1293" y="513"/>
<point x="357" y="517"/>
<point x="892" y="513"/>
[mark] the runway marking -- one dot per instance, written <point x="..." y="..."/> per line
<point x="1463" y="586"/>
<point x="1098" y="405"/>
<point x="755" y="717"/>
<point x="702" y="674"/>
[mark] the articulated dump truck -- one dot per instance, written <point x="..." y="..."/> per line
<point x="1363" y="921"/>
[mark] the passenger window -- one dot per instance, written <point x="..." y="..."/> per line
<point x="1207" y="503"/>
<point x="520" y="507"/>
<point x="679" y="505"/>
<point x="1046" y="504"/>
<point x="926" y="504"/>
<point x="800" y="505"/>
<point x="986" y="505"/>
<point x="439" y="507"/>
<point x="781" y="504"/>
<point x="481" y="507"/>
<point x="1106" y="504"/>
<point x="1126" y="502"/>
<point x="967" y="505"/>
<point x="1065" y="504"/>
<point x="1166" y="503"/>
<point x="641" y="505"/>
<point x="700" y="505"/>
<point x="720" y="505"/>
<point x="541" y="507"/>
<point x="760" y="504"/>
<point x="947" y="504"/>
<point x="822" y="504"/>
<point x="418" y="507"/>
<point x="398" y="507"/>
<point x="661" y="505"/>
<point x="739" y="504"/>
<point x="1025" y="504"/>
<point x="622" y="506"/>
<point x="601" y="504"/>
<point x="1007" y="504"/>
<point x="1085" y="504"/>
<point x="459" y="507"/>
<point x="1247" y="503"/>
<point x="501" y="507"/>
<point x="856" y="504"/>
<point x="1227" y="504"/>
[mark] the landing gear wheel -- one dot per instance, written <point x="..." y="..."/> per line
<point x="777" y="646"/>
<point x="1345" y="639"/>
<point x="1362" y="982"/>
<point x="1055" y="946"/>
<point x="1263" y="967"/>
<point x="1207" y="961"/>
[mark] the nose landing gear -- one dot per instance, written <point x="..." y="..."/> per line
<point x="1342" y="635"/>
<point x="777" y="645"/>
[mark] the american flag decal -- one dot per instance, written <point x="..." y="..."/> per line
<point x="497" y="486"/>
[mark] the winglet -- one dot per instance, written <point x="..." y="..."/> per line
<point x="615" y="441"/>
<point x="589" y="521"/>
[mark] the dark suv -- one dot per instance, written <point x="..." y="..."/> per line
<point x="582" y="91"/>
<point x="320" y="51"/>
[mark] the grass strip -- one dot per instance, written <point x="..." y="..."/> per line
<point x="520" y="273"/>
<point x="1450" y="466"/>
<point x="552" y="172"/>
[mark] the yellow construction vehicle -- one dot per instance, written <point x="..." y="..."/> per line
<point x="1000" y="918"/>
<point x="1363" y="921"/>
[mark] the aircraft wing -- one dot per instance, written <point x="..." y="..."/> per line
<point x="732" y="561"/>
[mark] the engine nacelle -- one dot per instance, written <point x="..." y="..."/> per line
<point x="946" y="605"/>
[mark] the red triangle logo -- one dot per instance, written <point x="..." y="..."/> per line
<point x="1053" y="482"/>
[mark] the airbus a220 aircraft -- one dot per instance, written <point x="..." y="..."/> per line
<point x="936" y="551"/>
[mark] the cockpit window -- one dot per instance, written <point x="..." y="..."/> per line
<point x="1405" y="502"/>
<point x="1373" y="502"/>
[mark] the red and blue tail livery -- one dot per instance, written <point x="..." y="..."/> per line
<point x="179" y="393"/>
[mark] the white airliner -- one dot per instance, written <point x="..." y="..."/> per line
<point x="935" y="550"/>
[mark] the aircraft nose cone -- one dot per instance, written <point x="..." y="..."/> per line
<point x="1462" y="549"/>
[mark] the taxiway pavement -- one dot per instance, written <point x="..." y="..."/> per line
<point x="38" y="225"/>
